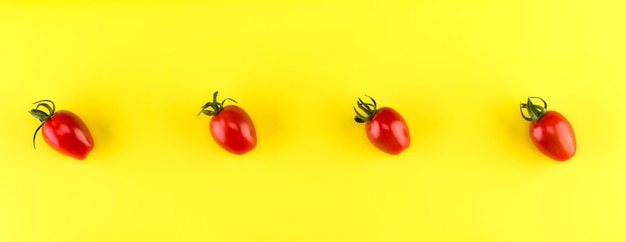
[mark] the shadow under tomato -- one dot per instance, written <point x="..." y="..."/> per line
<point x="282" y="122"/>
<point x="422" y="119"/>
<point x="102" y="117"/>
<point x="281" y="125"/>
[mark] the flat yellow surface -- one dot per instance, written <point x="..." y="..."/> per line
<point x="137" y="73"/>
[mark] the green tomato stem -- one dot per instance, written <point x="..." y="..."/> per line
<point x="215" y="105"/>
<point x="41" y="115"/>
<point x="535" y="112"/>
<point x="368" y="108"/>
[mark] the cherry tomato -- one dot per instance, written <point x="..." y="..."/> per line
<point x="385" y="128"/>
<point x="551" y="133"/>
<point x="231" y="127"/>
<point x="63" y="130"/>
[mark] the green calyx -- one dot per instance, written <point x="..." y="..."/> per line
<point x="41" y="115"/>
<point x="215" y="105"/>
<point x="535" y="112"/>
<point x="368" y="108"/>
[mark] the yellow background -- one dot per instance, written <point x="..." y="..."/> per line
<point x="137" y="73"/>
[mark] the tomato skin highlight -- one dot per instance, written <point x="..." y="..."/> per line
<point x="233" y="129"/>
<point x="65" y="132"/>
<point x="388" y="131"/>
<point x="554" y="136"/>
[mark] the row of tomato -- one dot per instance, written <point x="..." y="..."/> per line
<point x="233" y="129"/>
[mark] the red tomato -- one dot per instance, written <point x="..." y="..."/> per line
<point x="231" y="127"/>
<point x="63" y="131"/>
<point x="551" y="133"/>
<point x="385" y="128"/>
